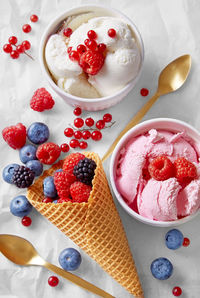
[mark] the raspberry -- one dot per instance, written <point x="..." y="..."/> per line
<point x="161" y="168"/>
<point x="62" y="181"/>
<point x="80" y="192"/>
<point x="84" y="170"/>
<point x="41" y="100"/>
<point x="47" y="153"/>
<point x="15" y="136"/>
<point x="91" y="62"/>
<point x="184" y="169"/>
<point x="70" y="161"/>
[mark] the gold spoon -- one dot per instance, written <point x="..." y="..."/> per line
<point x="171" y="78"/>
<point x="21" y="252"/>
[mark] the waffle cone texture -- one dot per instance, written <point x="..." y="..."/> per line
<point x="94" y="226"/>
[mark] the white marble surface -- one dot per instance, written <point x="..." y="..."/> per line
<point x="169" y="29"/>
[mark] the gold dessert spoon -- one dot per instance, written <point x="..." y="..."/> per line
<point x="171" y="78"/>
<point x="21" y="252"/>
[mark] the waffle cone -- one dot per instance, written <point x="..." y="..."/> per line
<point x="94" y="226"/>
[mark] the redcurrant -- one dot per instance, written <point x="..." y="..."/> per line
<point x="89" y="122"/>
<point x="86" y="134"/>
<point x="186" y="242"/>
<point x="144" y="92"/>
<point x="91" y="34"/>
<point x="177" y="291"/>
<point x="67" y="32"/>
<point x="86" y="42"/>
<point x="64" y="147"/>
<point x="26" y="44"/>
<point x="83" y="145"/>
<point x="78" y="122"/>
<point x="96" y="135"/>
<point x="100" y="124"/>
<point x="53" y="281"/>
<point x="74" y="143"/>
<point x="47" y="200"/>
<point x="14" y="54"/>
<point x="34" y="18"/>
<point x="77" y="111"/>
<point x="20" y="49"/>
<point x="74" y="56"/>
<point x="78" y="134"/>
<point x="112" y="33"/>
<point x="12" y="40"/>
<point x="107" y="117"/>
<point x="92" y="45"/>
<point x="81" y="48"/>
<point x="26" y="28"/>
<point x="101" y="47"/>
<point x="7" y="48"/>
<point x="69" y="50"/>
<point x="69" y="132"/>
<point x="26" y="221"/>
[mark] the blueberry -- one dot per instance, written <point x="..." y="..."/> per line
<point x="36" y="166"/>
<point x="161" y="268"/>
<point x="28" y="152"/>
<point x="20" y="206"/>
<point x="70" y="259"/>
<point x="59" y="170"/>
<point x="49" y="187"/>
<point x="38" y="133"/>
<point x="174" y="239"/>
<point x="8" y="172"/>
<point x="55" y="201"/>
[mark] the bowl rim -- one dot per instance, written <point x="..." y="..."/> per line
<point x="81" y="99"/>
<point x="114" y="157"/>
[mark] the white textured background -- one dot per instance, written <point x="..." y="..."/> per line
<point x="169" y="29"/>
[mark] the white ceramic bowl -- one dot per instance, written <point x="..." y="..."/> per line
<point x="88" y="103"/>
<point x="159" y="123"/>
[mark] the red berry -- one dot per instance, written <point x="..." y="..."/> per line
<point x="83" y="145"/>
<point x="14" y="54"/>
<point x="101" y="47"/>
<point x="78" y="122"/>
<point x="67" y="32"/>
<point x="26" y="221"/>
<point x="12" y="40"/>
<point x="86" y="134"/>
<point x="47" y="153"/>
<point x="26" y="28"/>
<point x="69" y="50"/>
<point x="41" y="100"/>
<point x="107" y="117"/>
<point x="81" y="48"/>
<point x="34" y="18"/>
<point x="20" y="49"/>
<point x="80" y="192"/>
<point x="47" y="200"/>
<point x="184" y="169"/>
<point x="74" y="143"/>
<point x="177" y="291"/>
<point x="89" y="122"/>
<point x="112" y="33"/>
<point x="100" y="124"/>
<point x="64" y="147"/>
<point x="70" y="161"/>
<point x="92" y="34"/>
<point x="53" y="281"/>
<point x="77" y="111"/>
<point x="26" y="44"/>
<point x="69" y="132"/>
<point x="15" y="135"/>
<point x="161" y="168"/>
<point x="186" y="242"/>
<point x="7" y="48"/>
<point x="92" y="45"/>
<point x="74" y="56"/>
<point x="78" y="134"/>
<point x="62" y="181"/>
<point x="96" y="135"/>
<point x="86" y="41"/>
<point x="144" y="92"/>
<point x="91" y="62"/>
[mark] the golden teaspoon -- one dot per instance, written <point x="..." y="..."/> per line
<point x="21" y="252"/>
<point x="171" y="78"/>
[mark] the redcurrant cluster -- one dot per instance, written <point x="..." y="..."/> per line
<point x="91" y="130"/>
<point x="24" y="46"/>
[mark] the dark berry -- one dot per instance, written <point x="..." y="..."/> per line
<point x="84" y="170"/>
<point x="22" y="177"/>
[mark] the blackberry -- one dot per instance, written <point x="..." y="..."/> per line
<point x="84" y="170"/>
<point x="22" y="177"/>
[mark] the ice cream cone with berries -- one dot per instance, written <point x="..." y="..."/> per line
<point x="86" y="213"/>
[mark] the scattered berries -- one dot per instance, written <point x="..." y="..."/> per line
<point x="26" y="28"/>
<point x="14" y="54"/>
<point x="64" y="147"/>
<point x="96" y="135"/>
<point x="177" y="291"/>
<point x="69" y="132"/>
<point x="83" y="145"/>
<point x="77" y="111"/>
<point x="89" y="122"/>
<point x="184" y="169"/>
<point x="91" y="34"/>
<point x="84" y="170"/>
<point x="67" y="32"/>
<point x="186" y="242"/>
<point x="144" y="92"/>
<point x="7" y="48"/>
<point x="41" y="100"/>
<point x="12" y="40"/>
<point x="34" y="18"/>
<point x="15" y="136"/>
<point x="80" y="192"/>
<point x="161" y="168"/>
<point x="100" y="124"/>
<point x="78" y="122"/>
<point x="62" y="181"/>
<point x="107" y="117"/>
<point x="48" y="153"/>
<point x="53" y="281"/>
<point x="74" y="143"/>
<point x="91" y="61"/>
<point x="70" y="161"/>
<point x="22" y="177"/>
<point x="26" y="221"/>
<point x="112" y="33"/>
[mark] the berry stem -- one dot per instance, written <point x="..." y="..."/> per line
<point x="93" y="129"/>
<point x="26" y="53"/>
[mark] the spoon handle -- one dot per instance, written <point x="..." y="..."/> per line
<point x="135" y="120"/>
<point x="78" y="280"/>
